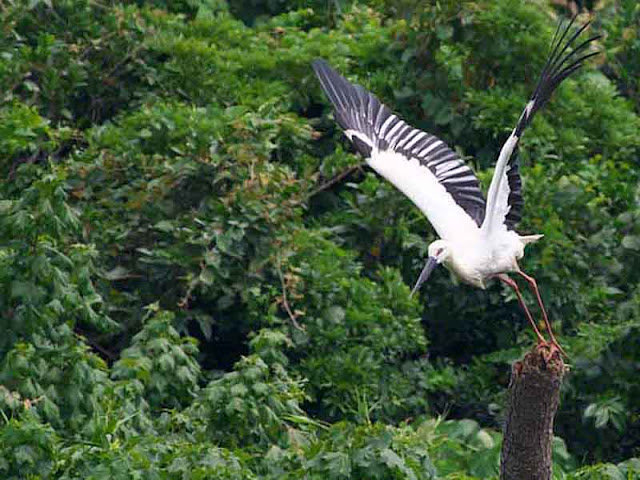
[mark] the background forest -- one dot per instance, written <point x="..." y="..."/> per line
<point x="199" y="279"/>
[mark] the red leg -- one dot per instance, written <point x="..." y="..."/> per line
<point x="534" y="286"/>
<point x="509" y="281"/>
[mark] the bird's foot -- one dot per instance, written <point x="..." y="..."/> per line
<point x="551" y="346"/>
<point x="550" y="352"/>
<point x="556" y="346"/>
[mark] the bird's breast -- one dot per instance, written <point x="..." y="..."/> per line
<point x="469" y="268"/>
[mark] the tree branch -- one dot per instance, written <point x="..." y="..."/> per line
<point x="285" y="301"/>
<point x="338" y="178"/>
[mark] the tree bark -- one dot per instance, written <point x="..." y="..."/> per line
<point x="534" y="393"/>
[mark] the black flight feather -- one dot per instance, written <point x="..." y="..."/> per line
<point x="559" y="65"/>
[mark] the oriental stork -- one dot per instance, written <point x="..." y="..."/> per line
<point x="478" y="241"/>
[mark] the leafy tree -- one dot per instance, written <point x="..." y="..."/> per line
<point x="198" y="279"/>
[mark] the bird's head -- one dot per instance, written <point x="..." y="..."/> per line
<point x="438" y="252"/>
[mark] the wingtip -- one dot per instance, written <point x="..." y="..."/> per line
<point x="559" y="65"/>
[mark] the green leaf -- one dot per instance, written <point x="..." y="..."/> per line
<point x="631" y="242"/>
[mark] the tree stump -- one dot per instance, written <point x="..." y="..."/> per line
<point x="534" y="393"/>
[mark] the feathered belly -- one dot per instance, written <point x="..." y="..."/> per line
<point x="478" y="268"/>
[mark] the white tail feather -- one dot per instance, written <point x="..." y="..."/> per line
<point x="527" y="239"/>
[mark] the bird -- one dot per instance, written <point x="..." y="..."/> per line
<point x="477" y="237"/>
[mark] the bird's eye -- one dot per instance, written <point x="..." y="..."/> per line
<point x="439" y="251"/>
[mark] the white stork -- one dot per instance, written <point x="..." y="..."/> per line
<point x="477" y="238"/>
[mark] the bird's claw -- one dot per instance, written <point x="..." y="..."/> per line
<point x="550" y="350"/>
<point x="555" y="345"/>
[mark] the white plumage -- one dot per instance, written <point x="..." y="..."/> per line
<point x="477" y="238"/>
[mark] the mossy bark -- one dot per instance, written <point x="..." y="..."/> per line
<point x="534" y="393"/>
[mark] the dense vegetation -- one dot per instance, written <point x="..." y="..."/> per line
<point x="197" y="280"/>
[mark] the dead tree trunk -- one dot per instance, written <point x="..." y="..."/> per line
<point x="533" y="400"/>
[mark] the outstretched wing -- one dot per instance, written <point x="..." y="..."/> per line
<point x="504" y="200"/>
<point x="423" y="167"/>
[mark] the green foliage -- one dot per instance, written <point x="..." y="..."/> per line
<point x="620" y="20"/>
<point x="162" y="361"/>
<point x="357" y="334"/>
<point x="190" y="289"/>
<point x="78" y="75"/>
<point x="146" y="457"/>
<point x="608" y="471"/>
<point x="257" y="402"/>
<point x="28" y="448"/>
<point x="23" y="132"/>
<point x="47" y="291"/>
<point x="346" y="451"/>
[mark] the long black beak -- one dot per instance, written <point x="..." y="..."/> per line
<point x="426" y="271"/>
